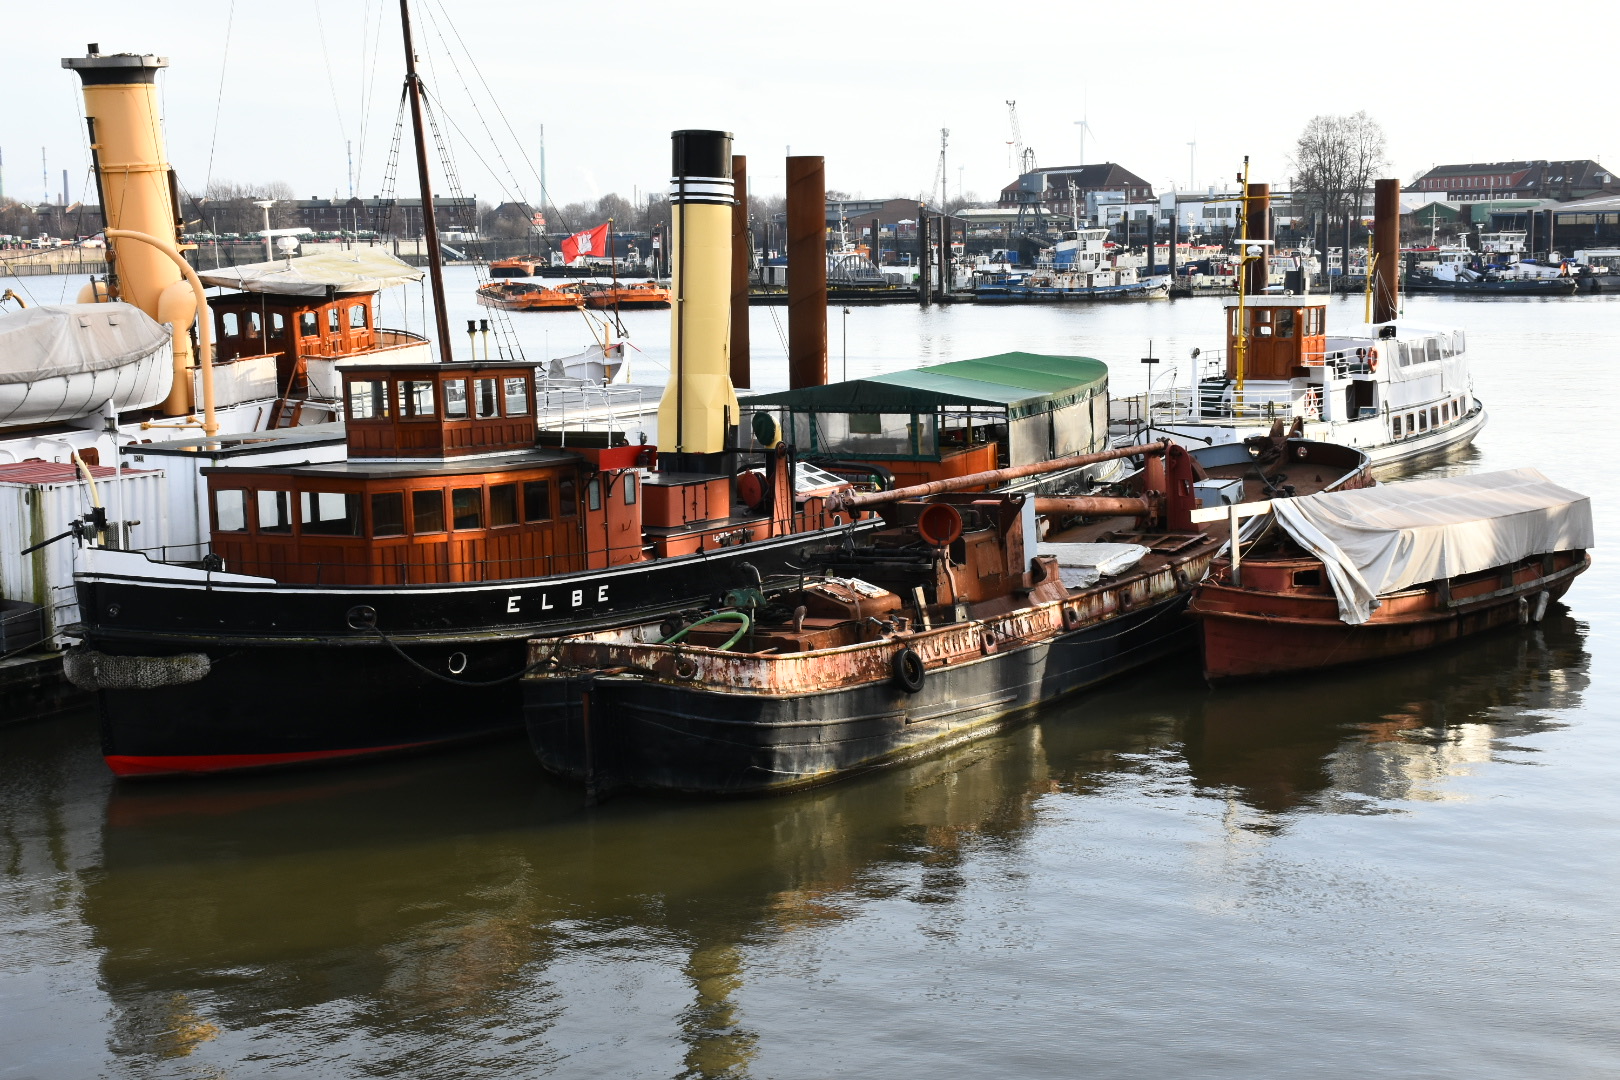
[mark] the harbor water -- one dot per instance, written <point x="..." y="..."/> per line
<point x="1406" y="871"/>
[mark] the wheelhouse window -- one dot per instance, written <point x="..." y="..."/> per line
<point x="332" y="319"/>
<point x="593" y="494"/>
<point x="415" y="397"/>
<point x="388" y="513"/>
<point x="503" y="505"/>
<point x="484" y="398"/>
<point x="427" y="511"/>
<point x="228" y="322"/>
<point x="275" y="511"/>
<point x="455" y="398"/>
<point x="308" y="325"/>
<point x="537" y="500"/>
<point x="1395" y="426"/>
<point x="1285" y="322"/>
<point x="230" y="510"/>
<point x="567" y="499"/>
<point x="517" y="396"/>
<point x="357" y="317"/>
<point x="630" y="485"/>
<point x="368" y="399"/>
<point x="1434" y="416"/>
<point x="330" y="513"/>
<point x="467" y="508"/>
<point x="278" y="325"/>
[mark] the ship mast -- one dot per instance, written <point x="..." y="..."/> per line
<point x="413" y="89"/>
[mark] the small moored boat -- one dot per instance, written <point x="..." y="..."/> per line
<point x="1357" y="576"/>
<point x="643" y="294"/>
<point x="513" y="296"/>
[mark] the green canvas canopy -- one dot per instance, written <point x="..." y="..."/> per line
<point x="1023" y="383"/>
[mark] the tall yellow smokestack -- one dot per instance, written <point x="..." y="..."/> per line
<point x="699" y="402"/>
<point x="138" y="193"/>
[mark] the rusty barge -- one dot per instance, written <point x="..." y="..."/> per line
<point x="939" y="627"/>
<point x="1363" y="576"/>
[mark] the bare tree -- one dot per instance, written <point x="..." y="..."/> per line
<point x="1335" y="160"/>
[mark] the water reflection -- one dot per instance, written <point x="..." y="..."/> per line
<point x="1354" y="741"/>
<point x="464" y="916"/>
<point x="425" y="905"/>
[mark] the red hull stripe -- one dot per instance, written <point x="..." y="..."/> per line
<point x="129" y="765"/>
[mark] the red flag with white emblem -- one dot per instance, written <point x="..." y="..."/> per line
<point x="590" y="242"/>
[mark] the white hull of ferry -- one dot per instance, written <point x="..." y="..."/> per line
<point x="1371" y="435"/>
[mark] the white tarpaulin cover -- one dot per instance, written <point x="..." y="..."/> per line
<point x="1379" y="540"/>
<point x="58" y="340"/>
<point x="1080" y="566"/>
<point x="357" y="270"/>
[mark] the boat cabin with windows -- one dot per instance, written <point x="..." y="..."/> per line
<point x="284" y="326"/>
<point x="448" y="479"/>
<point x="949" y="419"/>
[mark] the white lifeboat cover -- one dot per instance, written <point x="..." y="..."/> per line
<point x="59" y="340"/>
<point x="1380" y="540"/>
<point x="356" y="270"/>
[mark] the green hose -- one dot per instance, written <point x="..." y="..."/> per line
<point x="747" y="623"/>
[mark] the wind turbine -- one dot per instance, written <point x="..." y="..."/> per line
<point x="1085" y="128"/>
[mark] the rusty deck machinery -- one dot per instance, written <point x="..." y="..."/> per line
<point x="1161" y="500"/>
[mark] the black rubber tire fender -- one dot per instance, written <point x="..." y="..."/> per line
<point x="909" y="670"/>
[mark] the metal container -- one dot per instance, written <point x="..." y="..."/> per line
<point x="41" y="499"/>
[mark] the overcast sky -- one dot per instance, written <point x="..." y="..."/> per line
<point x="867" y="85"/>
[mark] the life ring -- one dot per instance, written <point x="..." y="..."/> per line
<point x="909" y="670"/>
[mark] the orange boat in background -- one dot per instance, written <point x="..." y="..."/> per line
<point x="517" y="266"/>
<point x="511" y="296"/>
<point x="645" y="294"/>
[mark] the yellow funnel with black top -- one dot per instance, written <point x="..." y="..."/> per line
<point x="138" y="194"/>
<point x="699" y="403"/>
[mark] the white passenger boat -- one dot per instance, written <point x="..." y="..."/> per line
<point x="1397" y="390"/>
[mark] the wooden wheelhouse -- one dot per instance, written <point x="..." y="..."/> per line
<point x="445" y="481"/>
<point x="1284" y="337"/>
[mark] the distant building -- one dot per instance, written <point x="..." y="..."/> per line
<point x="1057" y="189"/>
<point x="334" y="215"/>
<point x="1561" y="180"/>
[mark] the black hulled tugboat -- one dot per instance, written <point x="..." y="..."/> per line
<point x="383" y="602"/>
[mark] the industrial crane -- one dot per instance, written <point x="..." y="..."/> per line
<point x="1029" y="202"/>
<point x="1025" y="156"/>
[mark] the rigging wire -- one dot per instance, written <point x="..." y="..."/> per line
<point x="331" y="83"/>
<point x="506" y="342"/>
<point x="224" y="64"/>
<point x="545" y="196"/>
<point x="368" y="82"/>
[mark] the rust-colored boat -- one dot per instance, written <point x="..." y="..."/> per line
<point x="512" y="296"/>
<point x="945" y="624"/>
<point x="643" y="294"/>
<point x="1362" y="576"/>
